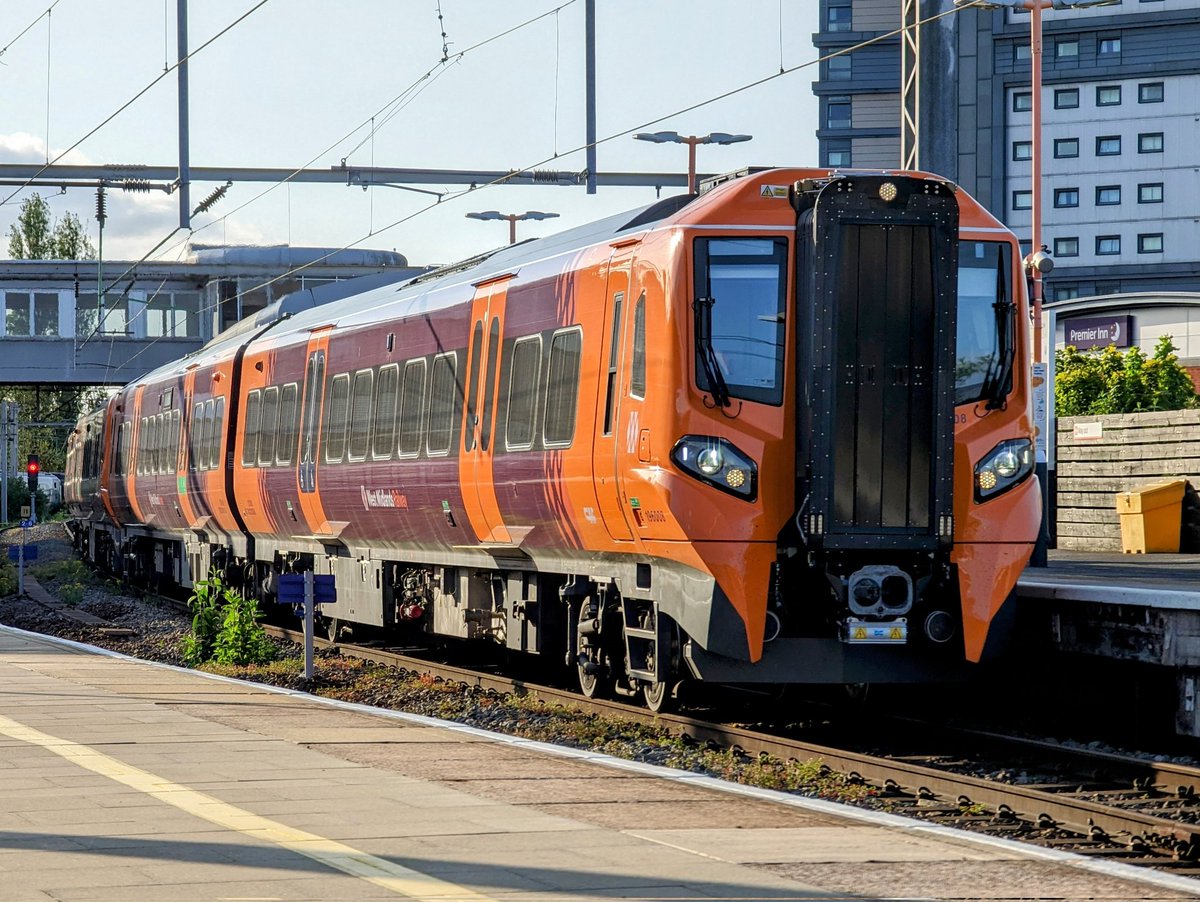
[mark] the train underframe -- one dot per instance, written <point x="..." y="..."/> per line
<point x="607" y="622"/>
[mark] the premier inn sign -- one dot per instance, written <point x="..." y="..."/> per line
<point x="1098" y="332"/>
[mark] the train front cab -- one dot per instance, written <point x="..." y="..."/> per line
<point x="913" y="504"/>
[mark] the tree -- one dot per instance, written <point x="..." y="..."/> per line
<point x="1111" y="382"/>
<point x="49" y="405"/>
<point x="32" y="237"/>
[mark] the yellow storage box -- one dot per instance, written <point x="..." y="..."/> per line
<point x="1151" y="516"/>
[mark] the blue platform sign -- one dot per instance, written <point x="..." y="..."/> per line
<point x="324" y="590"/>
<point x="291" y="588"/>
<point x="14" y="552"/>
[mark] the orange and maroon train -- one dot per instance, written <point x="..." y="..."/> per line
<point x="775" y="432"/>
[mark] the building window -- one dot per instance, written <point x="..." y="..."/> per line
<point x="1107" y="245"/>
<point x="1021" y="53"/>
<point x="837" y="112"/>
<point x="837" y="159"/>
<point x="1067" y="49"/>
<point x="1150" y="243"/>
<point x="1150" y="142"/>
<point x="839" y="18"/>
<point x="1150" y="92"/>
<point x="1022" y="102"/>
<point x="172" y="315"/>
<point x="838" y="68"/>
<point x="1066" y="197"/>
<point x="1108" y="95"/>
<point x="1150" y="193"/>
<point x="1108" y="48"/>
<point x="1108" y="195"/>
<point x="1066" y="247"/>
<point x="1065" y="292"/>
<point x="1022" y="150"/>
<point x="1022" y="200"/>
<point x="30" y="313"/>
<point x="1066" y="98"/>
<point x="1065" y="148"/>
<point x="1108" y="146"/>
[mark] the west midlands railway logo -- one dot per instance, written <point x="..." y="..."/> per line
<point x="375" y="498"/>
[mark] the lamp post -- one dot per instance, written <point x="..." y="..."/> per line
<point x="691" y="141"/>
<point x="512" y="219"/>
<point x="1038" y="262"/>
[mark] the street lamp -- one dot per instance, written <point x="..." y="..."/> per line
<point x="691" y="141"/>
<point x="512" y="219"/>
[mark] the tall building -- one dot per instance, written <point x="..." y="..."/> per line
<point x="1121" y="128"/>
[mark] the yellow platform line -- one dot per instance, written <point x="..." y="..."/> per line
<point x="397" y="878"/>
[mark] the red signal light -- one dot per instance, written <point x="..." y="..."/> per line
<point x="33" y="466"/>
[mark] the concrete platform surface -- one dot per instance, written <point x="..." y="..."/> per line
<point x="122" y="781"/>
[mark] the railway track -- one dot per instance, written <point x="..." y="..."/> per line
<point x="1100" y="803"/>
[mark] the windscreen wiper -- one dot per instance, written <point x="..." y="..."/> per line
<point x="999" y="371"/>
<point x="708" y="356"/>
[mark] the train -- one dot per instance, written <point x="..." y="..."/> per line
<point x="774" y="432"/>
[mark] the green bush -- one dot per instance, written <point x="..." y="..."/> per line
<point x="70" y="593"/>
<point x="242" y="639"/>
<point x="225" y="627"/>
<point x="8" y="578"/>
<point x="205" y="603"/>
<point x="1107" y="381"/>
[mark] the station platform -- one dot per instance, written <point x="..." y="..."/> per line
<point x="1155" y="580"/>
<point x="123" y="781"/>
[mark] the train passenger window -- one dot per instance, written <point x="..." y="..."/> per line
<point x="250" y="429"/>
<point x="333" y="435"/>
<point x="197" y="426"/>
<point x="614" y="350"/>
<point x="984" y="318"/>
<point x="141" y="451"/>
<point x="743" y="281"/>
<point x="442" y="389"/>
<point x="270" y="422"/>
<point x="176" y="432"/>
<point x="473" y="386"/>
<point x="156" y="443"/>
<point x="288" y="431"/>
<point x="383" y="432"/>
<point x="218" y="427"/>
<point x="489" y="384"/>
<point x="412" y="397"/>
<point x="360" y="414"/>
<point x="522" y="393"/>
<point x="562" y="388"/>
<point x="206" y="427"/>
<point x="637" y="379"/>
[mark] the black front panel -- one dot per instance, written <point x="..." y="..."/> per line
<point x="882" y="396"/>
<point x="877" y="293"/>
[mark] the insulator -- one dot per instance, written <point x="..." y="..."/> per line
<point x="135" y="184"/>
<point x="101" y="205"/>
<point x="217" y="194"/>
<point x="551" y="176"/>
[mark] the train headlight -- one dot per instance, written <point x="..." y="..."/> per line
<point x="710" y="461"/>
<point x="719" y="463"/>
<point x="1005" y="466"/>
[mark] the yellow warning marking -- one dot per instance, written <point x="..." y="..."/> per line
<point x="896" y="634"/>
<point x="860" y="633"/>
<point x="348" y="860"/>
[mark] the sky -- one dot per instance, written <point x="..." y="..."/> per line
<point x="296" y="83"/>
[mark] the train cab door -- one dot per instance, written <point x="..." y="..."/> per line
<point x="476" y="470"/>
<point x="607" y="445"/>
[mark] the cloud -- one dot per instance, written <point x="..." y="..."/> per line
<point x="22" y="147"/>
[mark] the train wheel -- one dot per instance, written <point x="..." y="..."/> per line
<point x="659" y="697"/>
<point x="594" y="681"/>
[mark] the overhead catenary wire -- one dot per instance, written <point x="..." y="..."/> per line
<point x="132" y="100"/>
<point x="26" y="29"/>
<point x="451" y="196"/>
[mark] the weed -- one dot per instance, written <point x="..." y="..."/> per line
<point x="242" y="639"/>
<point x="70" y="594"/>
<point x="205" y="603"/>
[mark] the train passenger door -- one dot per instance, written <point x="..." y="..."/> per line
<point x="476" y="470"/>
<point x="608" y="439"/>
<point x="314" y="391"/>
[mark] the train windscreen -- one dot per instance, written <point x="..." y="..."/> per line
<point x="985" y="327"/>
